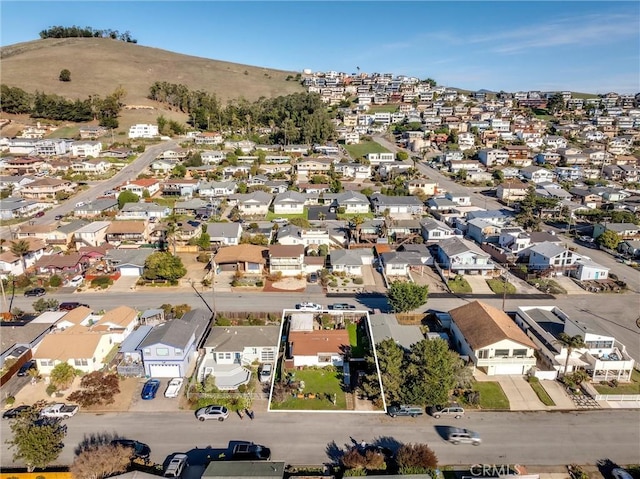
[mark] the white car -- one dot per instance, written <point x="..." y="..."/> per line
<point x="176" y="465"/>
<point x="173" y="388"/>
<point x="306" y="306"/>
<point x="265" y="373"/>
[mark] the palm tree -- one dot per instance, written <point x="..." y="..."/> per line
<point x="171" y="233"/>
<point x="21" y="248"/>
<point x="355" y="224"/>
<point x="322" y="216"/>
<point x="571" y="343"/>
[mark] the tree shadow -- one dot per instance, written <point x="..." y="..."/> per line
<point x="94" y="440"/>
<point x="334" y="452"/>
<point x="443" y="431"/>
<point x="387" y="442"/>
<point x="606" y="466"/>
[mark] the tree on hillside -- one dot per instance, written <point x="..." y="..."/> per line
<point x="101" y="461"/>
<point x="36" y="443"/>
<point x="431" y="373"/>
<point x="96" y="388"/>
<point x="609" y="239"/>
<point x="404" y="296"/>
<point x="65" y="75"/>
<point x="127" y="197"/>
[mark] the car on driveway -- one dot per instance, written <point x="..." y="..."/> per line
<point x="14" y="412"/>
<point x="35" y="292"/>
<point x="212" y="412"/>
<point x="26" y="367"/>
<point x="140" y="449"/>
<point x="176" y="465"/>
<point x="338" y="306"/>
<point x="313" y="278"/>
<point x="306" y="306"/>
<point x="173" y="388"/>
<point x="265" y="372"/>
<point x="150" y="389"/>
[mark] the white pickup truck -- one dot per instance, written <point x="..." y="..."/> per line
<point x="59" y="410"/>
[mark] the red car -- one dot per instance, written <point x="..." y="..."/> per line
<point x="39" y="214"/>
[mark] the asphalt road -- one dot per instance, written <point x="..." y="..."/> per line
<point x="129" y="172"/>
<point x="539" y="438"/>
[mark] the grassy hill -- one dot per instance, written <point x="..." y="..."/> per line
<point x="99" y="65"/>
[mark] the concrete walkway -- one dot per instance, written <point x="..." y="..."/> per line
<point x="124" y="284"/>
<point x="558" y="395"/>
<point x="478" y="284"/>
<point x="520" y="394"/>
<point x="568" y="284"/>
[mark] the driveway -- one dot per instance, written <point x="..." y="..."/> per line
<point x="124" y="284"/>
<point x="557" y="394"/>
<point x="520" y="394"/>
<point x="478" y="284"/>
<point x="568" y="284"/>
<point x="159" y="403"/>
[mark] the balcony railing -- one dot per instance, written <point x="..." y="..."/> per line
<point x="507" y="360"/>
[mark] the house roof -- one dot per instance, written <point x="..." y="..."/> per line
<point x="385" y="326"/>
<point x="61" y="261"/>
<point x="383" y="200"/>
<point x="77" y="315"/>
<point x="121" y="316"/>
<point x="178" y="332"/>
<point x="236" y="338"/>
<point x="123" y="227"/>
<point x="350" y="257"/>
<point x="131" y="342"/>
<point x="135" y="257"/>
<point x="73" y="226"/>
<point x="224" y="230"/>
<point x="35" y="229"/>
<point x="454" y="246"/>
<point x="290" y="196"/>
<point x="16" y="334"/>
<point x="243" y="252"/>
<point x="483" y="325"/>
<point x="260" y="197"/>
<point x="310" y="343"/>
<point x="412" y="258"/>
<point x="548" y="249"/>
<point x="142" y="207"/>
<point x="621" y="227"/>
<point x="285" y="251"/>
<point x="93" y="227"/>
<point x="242" y="469"/>
<point x="74" y="343"/>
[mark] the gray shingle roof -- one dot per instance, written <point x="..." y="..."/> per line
<point x="547" y="249"/>
<point x="455" y="246"/>
<point x="177" y="332"/>
<point x="136" y="257"/>
<point x="236" y="338"/>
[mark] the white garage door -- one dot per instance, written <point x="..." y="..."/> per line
<point x="129" y="271"/>
<point x="164" y="371"/>
<point x="508" y="369"/>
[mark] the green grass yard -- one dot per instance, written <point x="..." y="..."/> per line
<point x="459" y="285"/>
<point x="357" y="340"/>
<point x="498" y="286"/>
<point x="622" y="388"/>
<point x="319" y="382"/>
<point x="491" y="395"/>
<point x="271" y="215"/>
<point x="542" y="394"/>
<point x="365" y="147"/>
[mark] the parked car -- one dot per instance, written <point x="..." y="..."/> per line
<point x="313" y="278"/>
<point x="76" y="281"/>
<point x="140" y="449"/>
<point x="248" y="451"/>
<point x="39" y="214"/>
<point x="60" y="411"/>
<point x="176" y="465"/>
<point x="404" y="410"/>
<point x="150" y="389"/>
<point x="35" y="292"/>
<point x="14" y="412"/>
<point x="212" y="412"/>
<point x="280" y="221"/>
<point x="68" y="306"/>
<point x="26" y="367"/>
<point x="454" y="410"/>
<point x="173" y="388"/>
<point x="338" y="306"/>
<point x="265" y="372"/>
<point x="306" y="306"/>
<point x="59" y="217"/>
<point x="619" y="473"/>
<point x="456" y="435"/>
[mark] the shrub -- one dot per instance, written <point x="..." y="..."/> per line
<point x="10" y="401"/>
<point x="222" y="321"/>
<point x="333" y="284"/>
<point x="101" y="282"/>
<point x="55" y="281"/>
<point x="260" y="283"/>
<point x="533" y="379"/>
<point x="202" y="258"/>
<point x="51" y="389"/>
<point x="358" y="281"/>
<point x="23" y="281"/>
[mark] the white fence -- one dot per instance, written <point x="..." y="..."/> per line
<point x="550" y="375"/>
<point x="617" y="397"/>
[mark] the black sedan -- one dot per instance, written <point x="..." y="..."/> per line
<point x="35" y="292"/>
<point x="248" y="451"/>
<point x="14" y="412"/>
<point x="140" y="449"/>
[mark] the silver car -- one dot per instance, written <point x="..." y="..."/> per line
<point x="212" y="412"/>
<point x="457" y="435"/>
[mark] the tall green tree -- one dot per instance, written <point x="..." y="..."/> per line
<point x="609" y="239"/>
<point x="37" y="444"/>
<point x="165" y="266"/>
<point x="431" y="373"/>
<point x="570" y="343"/>
<point x="127" y="197"/>
<point x="404" y="296"/>
<point x="21" y="248"/>
<point x="62" y="375"/>
<point x="390" y="361"/>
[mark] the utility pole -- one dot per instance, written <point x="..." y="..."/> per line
<point x="504" y="287"/>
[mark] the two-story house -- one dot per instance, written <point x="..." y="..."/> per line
<point x="286" y="259"/>
<point x="459" y="256"/>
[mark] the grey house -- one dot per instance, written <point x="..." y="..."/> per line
<point x="170" y="348"/>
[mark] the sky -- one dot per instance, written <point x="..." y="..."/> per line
<point x="582" y="46"/>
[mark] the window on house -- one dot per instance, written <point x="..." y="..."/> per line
<point x="520" y="353"/>
<point x="483" y="354"/>
<point x="177" y="352"/>
<point x="80" y="362"/>
<point x="147" y="351"/>
<point x="162" y="351"/>
<point x="501" y="353"/>
<point x="324" y="358"/>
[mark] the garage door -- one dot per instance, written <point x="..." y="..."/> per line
<point x="164" y="371"/>
<point x="129" y="271"/>
<point x="508" y="369"/>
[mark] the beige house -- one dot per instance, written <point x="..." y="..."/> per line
<point x="127" y="232"/>
<point x="422" y="185"/>
<point x="46" y="189"/>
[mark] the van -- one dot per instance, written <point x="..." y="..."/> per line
<point x="76" y="281"/>
<point x="453" y="410"/>
<point x="456" y="435"/>
<point x="176" y="465"/>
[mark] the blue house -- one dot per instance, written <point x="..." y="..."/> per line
<point x="170" y="348"/>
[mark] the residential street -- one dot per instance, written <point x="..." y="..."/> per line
<point x="309" y="438"/>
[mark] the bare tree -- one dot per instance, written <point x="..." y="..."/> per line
<point x="101" y="461"/>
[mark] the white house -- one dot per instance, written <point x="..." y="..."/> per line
<point x="603" y="357"/>
<point x="92" y="234"/>
<point x="551" y="255"/>
<point x="350" y="261"/>
<point x="378" y="158"/>
<point x="324" y="347"/>
<point x="493" y="157"/>
<point x="460" y="256"/>
<point x="230" y="351"/>
<point x="289" y="202"/>
<point x="492" y="340"/>
<point x="537" y="174"/>
<point x="588" y="270"/>
<point x="142" y="130"/>
<point x="83" y="149"/>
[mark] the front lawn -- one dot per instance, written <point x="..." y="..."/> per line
<point x="365" y="147"/>
<point x="498" y="286"/>
<point x="272" y="216"/>
<point x="459" y="285"/>
<point x="622" y="388"/>
<point x="548" y="286"/>
<point x="491" y="395"/>
<point x="321" y="383"/>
